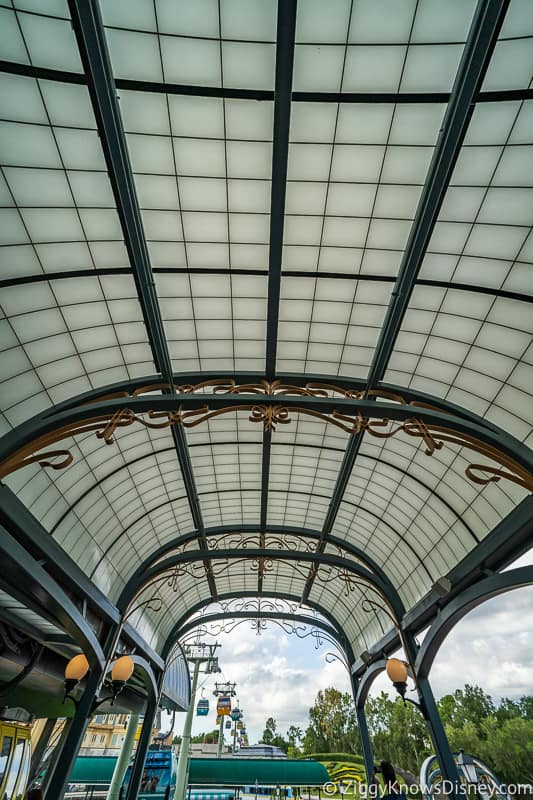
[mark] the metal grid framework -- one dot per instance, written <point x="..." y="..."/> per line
<point x="339" y="191"/>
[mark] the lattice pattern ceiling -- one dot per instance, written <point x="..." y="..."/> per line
<point x="247" y="278"/>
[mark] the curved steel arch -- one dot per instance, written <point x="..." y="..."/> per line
<point x="268" y="615"/>
<point x="300" y="380"/>
<point x="148" y="676"/>
<point x="153" y="453"/>
<point x="367" y="680"/>
<point x="196" y="534"/>
<point x="461" y="605"/>
<point x="223" y="530"/>
<point x="38" y="432"/>
<point x="172" y="637"/>
<point x="135" y="587"/>
<point x="131" y="84"/>
<point x="340" y="614"/>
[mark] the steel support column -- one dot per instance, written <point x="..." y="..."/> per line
<point x="438" y="736"/>
<point x="430" y="712"/>
<point x="72" y="742"/>
<point x="183" y="758"/>
<point x="143" y="745"/>
<point x="366" y="744"/>
<point x="123" y="759"/>
<point x="90" y="35"/>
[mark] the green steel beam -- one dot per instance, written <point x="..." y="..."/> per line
<point x="90" y="35"/>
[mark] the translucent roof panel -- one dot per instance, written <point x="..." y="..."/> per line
<point x="231" y="280"/>
<point x="69" y="334"/>
<point x="204" y="44"/>
<point x="512" y="63"/>
<point x="114" y="505"/>
<point x="355" y="175"/>
<point x="329" y="326"/>
<point x="214" y="322"/>
<point x="40" y="34"/>
<point x="471" y="343"/>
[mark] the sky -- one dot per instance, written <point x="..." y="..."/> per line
<point x="278" y="675"/>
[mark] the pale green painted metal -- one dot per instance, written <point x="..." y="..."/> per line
<point x="123" y="758"/>
<point x="183" y="759"/>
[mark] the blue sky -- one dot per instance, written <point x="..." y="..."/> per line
<point x="279" y="675"/>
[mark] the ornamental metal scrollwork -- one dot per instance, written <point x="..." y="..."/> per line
<point x="270" y="416"/>
<point x="260" y="624"/>
<point x="241" y="541"/>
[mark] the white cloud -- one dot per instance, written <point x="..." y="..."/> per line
<point x="491" y="647"/>
<point x="276" y="675"/>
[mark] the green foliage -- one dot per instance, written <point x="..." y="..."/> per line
<point x="349" y="758"/>
<point x="470" y="704"/>
<point x="210" y="737"/>
<point x="501" y="736"/>
<point x="511" y="750"/>
<point x="269" y="732"/>
<point x="345" y="768"/>
<point x="332" y="724"/>
<point x="399" y="733"/>
<point x="272" y="738"/>
<point x="507" y="747"/>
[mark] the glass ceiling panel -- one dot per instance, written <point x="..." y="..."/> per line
<point x="379" y="46"/>
<point x="230" y="44"/>
<point x="114" y="506"/>
<point x="202" y="172"/>
<point x="214" y="322"/>
<point x="511" y="65"/>
<point x="355" y="176"/>
<point x="329" y="326"/>
<point x="475" y="349"/>
<point x="202" y="168"/>
<point x="66" y="337"/>
<point x="434" y="514"/>
<point x="286" y="577"/>
<point x="63" y="337"/>
<point x="40" y="34"/>
<point x="304" y="463"/>
<point x="362" y="628"/>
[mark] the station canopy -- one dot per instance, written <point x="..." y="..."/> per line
<point x="266" y="295"/>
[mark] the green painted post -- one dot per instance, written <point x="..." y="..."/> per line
<point x="123" y="758"/>
<point x="366" y="744"/>
<point x="71" y="743"/>
<point x="183" y="760"/>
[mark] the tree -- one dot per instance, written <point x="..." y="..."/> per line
<point x="398" y="732"/>
<point x="470" y="704"/>
<point x="332" y="724"/>
<point x="294" y="737"/>
<point x="526" y="707"/>
<point x="269" y="732"/>
<point x="510" y="750"/>
<point x="507" y="709"/>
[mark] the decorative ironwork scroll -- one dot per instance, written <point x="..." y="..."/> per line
<point x="324" y="574"/>
<point x="270" y="416"/>
<point x="259" y="625"/>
